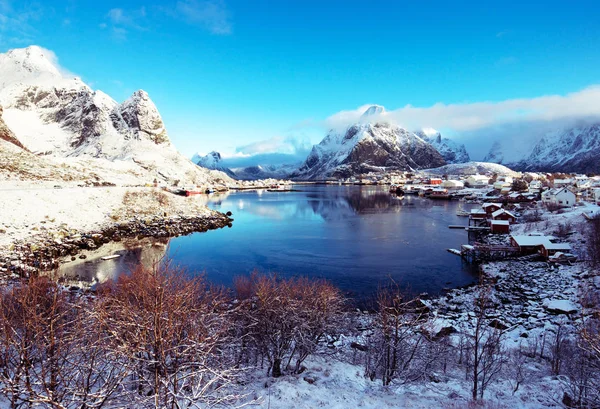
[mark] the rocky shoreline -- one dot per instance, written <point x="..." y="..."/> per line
<point x="44" y="252"/>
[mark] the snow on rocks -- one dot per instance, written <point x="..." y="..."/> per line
<point x="39" y="226"/>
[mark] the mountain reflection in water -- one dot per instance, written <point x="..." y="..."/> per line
<point x="358" y="237"/>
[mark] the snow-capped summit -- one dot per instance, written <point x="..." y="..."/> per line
<point x="366" y="147"/>
<point x="210" y="161"/>
<point x="372" y="111"/>
<point x="60" y="116"/>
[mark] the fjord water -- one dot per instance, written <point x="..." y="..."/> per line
<point x="357" y="237"/>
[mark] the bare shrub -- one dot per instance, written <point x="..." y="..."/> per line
<point x="171" y="332"/>
<point x="287" y="319"/>
<point x="397" y="340"/>
<point x="563" y="229"/>
<point x="51" y="353"/>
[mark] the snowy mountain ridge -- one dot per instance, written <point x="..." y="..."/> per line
<point x="62" y="117"/>
<point x="366" y="147"/>
<point x="451" y="151"/>
<point x="573" y="149"/>
<point x="214" y="161"/>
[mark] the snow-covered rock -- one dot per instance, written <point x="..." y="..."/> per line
<point x="59" y="116"/>
<point x="451" y="151"/>
<point x="6" y="134"/>
<point x="366" y="147"/>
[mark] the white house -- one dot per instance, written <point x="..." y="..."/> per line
<point x="535" y="186"/>
<point x="562" y="182"/>
<point x="597" y="195"/>
<point x="561" y="197"/>
<point x="502" y="185"/>
<point x="478" y="180"/>
<point x="453" y="184"/>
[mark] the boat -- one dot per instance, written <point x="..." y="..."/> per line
<point x="440" y="194"/>
<point x="110" y="257"/>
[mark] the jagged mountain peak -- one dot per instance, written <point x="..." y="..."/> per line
<point x="451" y="151"/>
<point x="372" y="111"/>
<point x="366" y="147"/>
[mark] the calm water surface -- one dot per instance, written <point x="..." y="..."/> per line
<point x="358" y="237"/>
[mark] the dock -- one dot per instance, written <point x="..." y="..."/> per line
<point x="456" y="226"/>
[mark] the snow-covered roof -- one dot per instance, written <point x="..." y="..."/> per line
<point x="500" y="223"/>
<point x="500" y="211"/>
<point x="532" y="241"/>
<point x="486" y="205"/>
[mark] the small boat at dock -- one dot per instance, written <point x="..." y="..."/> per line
<point x="110" y="257"/>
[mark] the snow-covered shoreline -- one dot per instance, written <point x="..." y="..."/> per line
<point x="51" y="223"/>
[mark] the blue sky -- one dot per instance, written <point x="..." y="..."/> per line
<point x="226" y="74"/>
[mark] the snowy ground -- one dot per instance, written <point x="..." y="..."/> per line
<point x="529" y="297"/>
<point x="42" y="209"/>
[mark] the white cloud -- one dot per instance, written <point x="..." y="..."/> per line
<point x="212" y="15"/>
<point x="473" y="116"/>
<point x="277" y="144"/>
<point x="479" y="123"/>
<point x="121" y="21"/>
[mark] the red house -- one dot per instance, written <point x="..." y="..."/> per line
<point x="500" y="226"/>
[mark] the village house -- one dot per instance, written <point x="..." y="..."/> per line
<point x="453" y="184"/>
<point x="502" y="214"/>
<point x="535" y="186"/>
<point x="538" y="243"/>
<point x="490" y="208"/>
<point x="435" y="181"/>
<point x="597" y="196"/>
<point x="560" y="197"/>
<point x="558" y="183"/>
<point x="500" y="227"/>
<point x="502" y="185"/>
<point x="478" y="181"/>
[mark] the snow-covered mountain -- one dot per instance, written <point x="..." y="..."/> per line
<point x="264" y="172"/>
<point x="366" y="147"/>
<point x="214" y="161"/>
<point x="473" y="168"/>
<point x="451" y="151"/>
<point x="60" y="116"/>
<point x="574" y="149"/>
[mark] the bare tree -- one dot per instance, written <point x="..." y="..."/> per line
<point x="397" y="339"/>
<point x="287" y="319"/>
<point x="484" y="347"/>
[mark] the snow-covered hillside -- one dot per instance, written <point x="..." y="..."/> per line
<point x="63" y="118"/>
<point x="473" y="168"/>
<point x="366" y="147"/>
<point x="451" y="151"/>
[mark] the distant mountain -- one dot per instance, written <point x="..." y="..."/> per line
<point x="366" y="147"/>
<point x="214" y="161"/>
<point x="59" y="116"/>
<point x="574" y="149"/>
<point x="265" y="172"/>
<point x="451" y="151"/>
